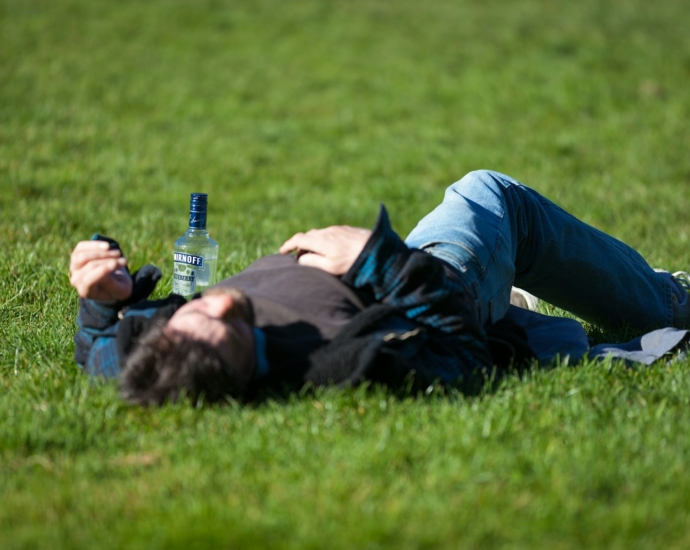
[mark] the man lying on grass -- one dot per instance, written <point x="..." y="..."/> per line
<point x="354" y="304"/>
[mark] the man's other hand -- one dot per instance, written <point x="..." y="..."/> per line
<point x="99" y="273"/>
<point x="333" y="249"/>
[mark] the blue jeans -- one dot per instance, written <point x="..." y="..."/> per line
<point x="498" y="233"/>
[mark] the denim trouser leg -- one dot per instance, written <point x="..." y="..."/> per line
<point x="498" y="233"/>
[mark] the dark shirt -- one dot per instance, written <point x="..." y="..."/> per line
<point x="298" y="308"/>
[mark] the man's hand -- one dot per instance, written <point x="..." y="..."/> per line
<point x="333" y="249"/>
<point x="99" y="273"/>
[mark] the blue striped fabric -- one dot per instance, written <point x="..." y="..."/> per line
<point x="426" y="289"/>
<point x="95" y="347"/>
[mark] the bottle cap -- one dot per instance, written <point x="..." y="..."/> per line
<point x="198" y="202"/>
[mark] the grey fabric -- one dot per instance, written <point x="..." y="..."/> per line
<point x="553" y="337"/>
<point x="648" y="348"/>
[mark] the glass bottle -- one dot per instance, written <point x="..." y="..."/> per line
<point x="195" y="253"/>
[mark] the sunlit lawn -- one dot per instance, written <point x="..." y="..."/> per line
<point x="303" y="114"/>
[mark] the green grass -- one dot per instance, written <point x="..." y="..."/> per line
<point x="301" y="114"/>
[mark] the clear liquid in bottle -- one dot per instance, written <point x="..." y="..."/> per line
<point x="195" y="253"/>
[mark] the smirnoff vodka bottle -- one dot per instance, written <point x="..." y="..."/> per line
<point x="195" y="253"/>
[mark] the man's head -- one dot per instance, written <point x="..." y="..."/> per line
<point x="205" y="350"/>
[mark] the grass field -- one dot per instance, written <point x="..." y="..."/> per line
<point x="300" y="114"/>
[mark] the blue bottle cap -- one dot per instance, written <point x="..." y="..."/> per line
<point x="198" y="202"/>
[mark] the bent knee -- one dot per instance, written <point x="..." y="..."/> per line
<point x="488" y="177"/>
<point x="479" y="181"/>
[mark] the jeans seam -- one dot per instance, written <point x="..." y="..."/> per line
<point x="426" y="246"/>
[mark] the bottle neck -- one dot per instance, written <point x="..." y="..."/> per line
<point x="197" y="220"/>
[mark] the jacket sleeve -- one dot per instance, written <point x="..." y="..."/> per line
<point x="427" y="291"/>
<point x="95" y="348"/>
<point x="413" y="281"/>
<point x="94" y="343"/>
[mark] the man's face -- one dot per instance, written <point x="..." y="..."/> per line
<point x="222" y="318"/>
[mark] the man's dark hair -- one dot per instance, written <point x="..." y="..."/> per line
<point x="163" y="367"/>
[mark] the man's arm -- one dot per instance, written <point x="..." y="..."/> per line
<point x="98" y="271"/>
<point x="380" y="263"/>
<point x="420" y="285"/>
<point x="332" y="249"/>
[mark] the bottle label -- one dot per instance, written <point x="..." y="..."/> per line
<point x="185" y="273"/>
<point x="189" y="259"/>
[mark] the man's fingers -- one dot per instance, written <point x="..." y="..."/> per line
<point x="333" y="249"/>
<point x="299" y="241"/>
<point x="87" y="251"/>
<point x="316" y="260"/>
<point x="91" y="245"/>
<point x="94" y="272"/>
<point x="291" y="244"/>
<point x="80" y="259"/>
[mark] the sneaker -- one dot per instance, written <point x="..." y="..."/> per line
<point x="522" y="298"/>
<point x="681" y="306"/>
